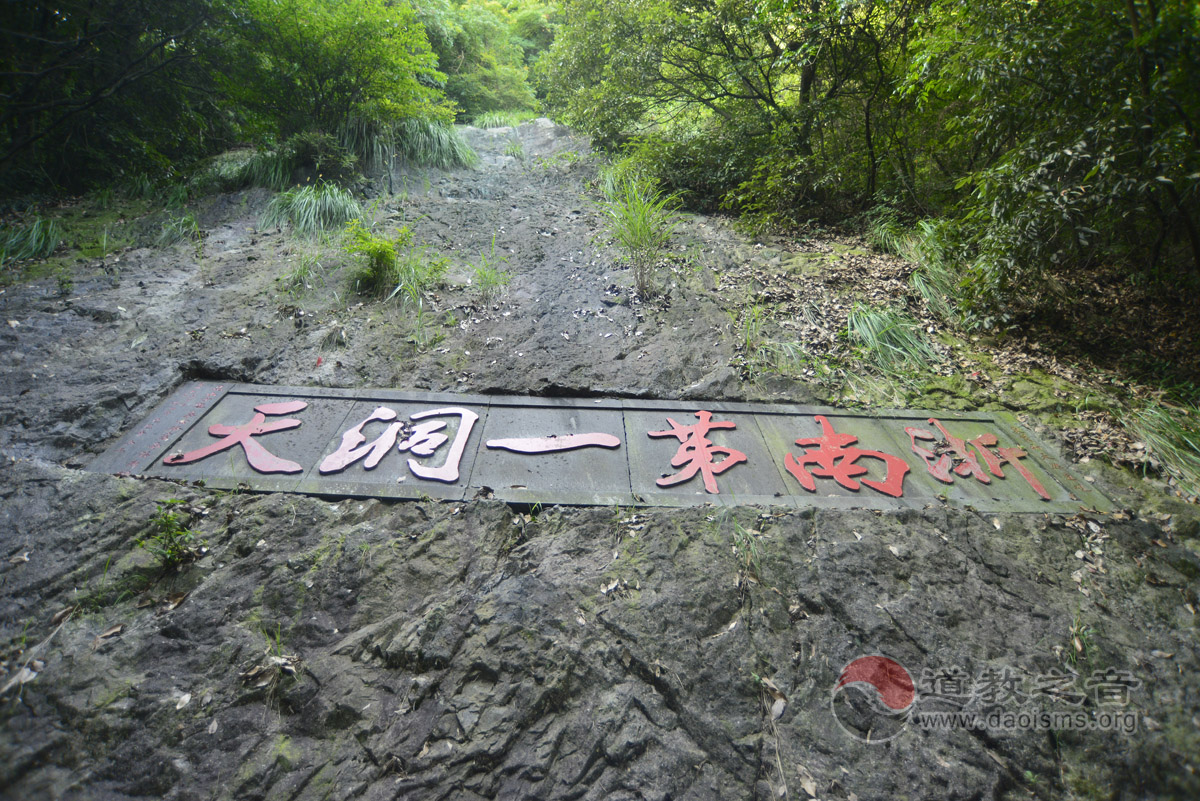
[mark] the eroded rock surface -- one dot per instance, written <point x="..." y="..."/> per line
<point x="337" y="649"/>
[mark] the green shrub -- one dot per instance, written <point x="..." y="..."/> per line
<point x="311" y="208"/>
<point x="392" y="266"/>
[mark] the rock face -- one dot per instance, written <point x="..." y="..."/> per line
<point x="337" y="649"/>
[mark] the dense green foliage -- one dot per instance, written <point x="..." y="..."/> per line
<point x="137" y="93"/>
<point x="1043" y="135"/>
<point x="94" y="89"/>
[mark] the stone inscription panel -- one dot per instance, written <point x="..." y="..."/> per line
<point x="586" y="451"/>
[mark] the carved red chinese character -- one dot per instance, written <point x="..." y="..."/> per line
<point x="942" y="465"/>
<point x="352" y="448"/>
<point x="259" y="457"/>
<point x="426" y="439"/>
<point x="555" y="443"/>
<point x="834" y="458"/>
<point x="696" y="452"/>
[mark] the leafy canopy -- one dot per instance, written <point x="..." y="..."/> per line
<point x="308" y="64"/>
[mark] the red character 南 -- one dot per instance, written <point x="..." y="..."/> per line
<point x="259" y="457"/>
<point x="833" y="457"/>
<point x="696" y="452"/>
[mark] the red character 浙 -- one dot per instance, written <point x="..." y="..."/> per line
<point x="942" y="465"/>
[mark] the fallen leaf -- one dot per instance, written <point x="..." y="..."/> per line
<point x="212" y="727"/>
<point x="23" y="677"/>
<point x="112" y="631"/>
<point x="774" y="690"/>
<point x="175" y="600"/>
<point x="777" y="708"/>
<point x="807" y="782"/>
<point x="16" y="560"/>
<point x="61" y="615"/>
<point x="183" y="701"/>
<point x="1162" y="654"/>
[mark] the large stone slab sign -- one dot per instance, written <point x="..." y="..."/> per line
<point x="593" y="451"/>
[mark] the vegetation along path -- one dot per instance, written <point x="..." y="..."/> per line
<point x="170" y="641"/>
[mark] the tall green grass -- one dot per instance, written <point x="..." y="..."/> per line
<point x="270" y="169"/>
<point x="311" y="208"/>
<point x="37" y="240"/>
<point x="372" y="143"/>
<point x="884" y="231"/>
<point x="428" y="143"/>
<point x="183" y="227"/>
<point x="502" y="119"/>
<point x="641" y="221"/>
<point x="1172" y="434"/>
<point x="890" y="340"/>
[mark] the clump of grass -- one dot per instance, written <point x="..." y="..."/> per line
<point x="936" y="278"/>
<point x="177" y="196"/>
<point x="1172" y="434"/>
<point x="889" y="339"/>
<point x="428" y="143"/>
<point x="884" y="231"/>
<point x="311" y="208"/>
<point x="489" y="278"/>
<point x="169" y="539"/>
<point x="37" y="240"/>
<point x="138" y="186"/>
<point x="641" y="222"/>
<point x="308" y="273"/>
<point x="370" y="142"/>
<point x="183" y="227"/>
<point x="613" y="177"/>
<point x="271" y="169"/>
<point x="502" y="119"/>
<point x="515" y="149"/>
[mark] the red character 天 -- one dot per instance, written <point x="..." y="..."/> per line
<point x="259" y="457"/>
